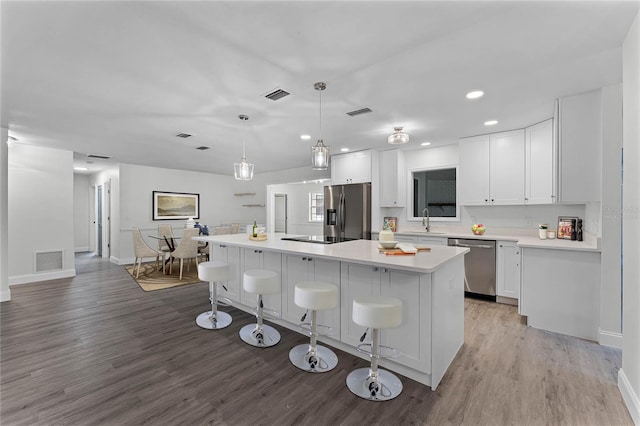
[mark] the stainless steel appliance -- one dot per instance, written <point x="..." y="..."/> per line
<point x="479" y="266"/>
<point x="348" y="211"/>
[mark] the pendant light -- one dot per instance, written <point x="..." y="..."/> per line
<point x="320" y="152"/>
<point x="398" y="137"/>
<point x="243" y="170"/>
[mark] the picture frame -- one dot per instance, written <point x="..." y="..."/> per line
<point x="175" y="205"/>
<point x="390" y="223"/>
<point x="566" y="227"/>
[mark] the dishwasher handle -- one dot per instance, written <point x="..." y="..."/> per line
<point x="482" y="246"/>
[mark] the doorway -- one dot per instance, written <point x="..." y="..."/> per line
<point x="280" y="214"/>
<point x="99" y="220"/>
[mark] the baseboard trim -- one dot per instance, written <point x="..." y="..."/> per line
<point x="5" y="295"/>
<point x="119" y="261"/>
<point x="629" y="397"/>
<point x="610" y="339"/>
<point x="41" y="276"/>
<point x="81" y="249"/>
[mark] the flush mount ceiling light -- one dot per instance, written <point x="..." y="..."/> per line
<point x="305" y="137"/>
<point x="320" y="152"/>
<point x="475" y="94"/>
<point x="425" y="143"/>
<point x="344" y="149"/>
<point x="398" y="137"/>
<point x="491" y="123"/>
<point x="243" y="170"/>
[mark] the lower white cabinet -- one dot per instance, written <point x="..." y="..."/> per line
<point x="261" y="259"/>
<point x="433" y="241"/>
<point x="405" y="238"/>
<point x="508" y="270"/>
<point x="412" y="337"/>
<point x="296" y="269"/>
<point x="231" y="255"/>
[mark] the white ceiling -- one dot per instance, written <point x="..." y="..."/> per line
<point x="123" y="78"/>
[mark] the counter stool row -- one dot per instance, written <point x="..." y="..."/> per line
<point x="373" y="312"/>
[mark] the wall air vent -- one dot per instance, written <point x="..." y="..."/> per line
<point x="103" y="157"/>
<point x="48" y="261"/>
<point x="183" y="135"/>
<point x="203" y="148"/>
<point x="359" y="111"/>
<point x="276" y="94"/>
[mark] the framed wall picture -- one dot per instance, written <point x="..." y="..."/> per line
<point x="389" y="224"/>
<point x="175" y="205"/>
<point x="566" y="227"/>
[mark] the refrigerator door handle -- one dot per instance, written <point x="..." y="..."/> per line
<point x="342" y="212"/>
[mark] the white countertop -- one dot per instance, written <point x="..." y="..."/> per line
<point x="523" y="237"/>
<point x="358" y="251"/>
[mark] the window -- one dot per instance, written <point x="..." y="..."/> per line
<point x="316" y="206"/>
<point x="435" y="189"/>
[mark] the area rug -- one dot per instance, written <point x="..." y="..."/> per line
<point x="150" y="279"/>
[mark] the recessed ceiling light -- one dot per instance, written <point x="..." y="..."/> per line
<point x="344" y="149"/>
<point x="305" y="137"/>
<point x="475" y="94"/>
<point x="425" y="143"/>
<point x="81" y="169"/>
<point x="491" y="123"/>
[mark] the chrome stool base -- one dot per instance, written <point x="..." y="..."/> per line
<point x="325" y="359"/>
<point x="222" y="320"/>
<point x="387" y="387"/>
<point x="250" y="334"/>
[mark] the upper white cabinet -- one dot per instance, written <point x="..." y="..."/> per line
<point x="354" y="167"/>
<point x="579" y="147"/>
<point x="392" y="179"/>
<point x="540" y="164"/>
<point x="492" y="169"/>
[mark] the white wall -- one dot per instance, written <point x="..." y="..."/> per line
<point x="297" y="206"/>
<point x="40" y="196"/>
<point x="5" y="293"/>
<point x="629" y="374"/>
<point x="81" y="205"/>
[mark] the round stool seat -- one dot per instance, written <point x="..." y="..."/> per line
<point x="261" y="281"/>
<point x="377" y="311"/>
<point x="316" y="295"/>
<point x="213" y="270"/>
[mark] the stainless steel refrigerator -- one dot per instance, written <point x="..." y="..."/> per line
<point x="347" y="211"/>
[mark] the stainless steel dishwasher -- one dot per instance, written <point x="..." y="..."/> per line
<point x="479" y="266"/>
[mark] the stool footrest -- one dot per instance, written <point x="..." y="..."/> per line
<point x="384" y="351"/>
<point x="223" y="301"/>
<point x="305" y="327"/>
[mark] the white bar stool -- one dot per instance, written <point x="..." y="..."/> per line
<point x="215" y="272"/>
<point x="375" y="312"/>
<point x="260" y="281"/>
<point x="314" y="296"/>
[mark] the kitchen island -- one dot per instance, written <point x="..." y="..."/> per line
<point x="430" y="285"/>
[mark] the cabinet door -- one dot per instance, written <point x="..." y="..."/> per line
<point x="433" y="241"/>
<point x="340" y="169"/>
<point x="356" y="280"/>
<point x="506" y="185"/>
<point x="392" y="179"/>
<point x="259" y="259"/>
<point x="406" y="337"/>
<point x="360" y="165"/>
<point x="295" y="269"/>
<point x="231" y="255"/>
<point x="539" y="175"/>
<point x="251" y="259"/>
<point x="273" y="262"/>
<point x="405" y="238"/>
<point x="508" y="270"/>
<point x="328" y="271"/>
<point x="473" y="159"/>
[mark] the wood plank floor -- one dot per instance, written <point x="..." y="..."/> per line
<point x="97" y="350"/>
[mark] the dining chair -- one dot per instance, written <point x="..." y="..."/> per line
<point x="141" y="250"/>
<point x="234" y="228"/>
<point x="221" y="230"/>
<point x="186" y="249"/>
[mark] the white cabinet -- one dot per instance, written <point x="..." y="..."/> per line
<point x="433" y="241"/>
<point x="231" y="255"/>
<point x="491" y="169"/>
<point x="260" y="259"/>
<point x="508" y="270"/>
<point x="540" y="164"/>
<point x="351" y="168"/>
<point x="296" y="269"/>
<point x="410" y="338"/>
<point x="392" y="179"/>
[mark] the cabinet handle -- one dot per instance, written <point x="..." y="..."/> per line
<point x="492" y="200"/>
<point x="304" y="258"/>
<point x="309" y="259"/>
<point x="486" y="200"/>
<point x="384" y="269"/>
<point x="375" y="268"/>
<point x="501" y="246"/>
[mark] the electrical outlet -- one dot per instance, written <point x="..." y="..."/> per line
<point x="528" y="221"/>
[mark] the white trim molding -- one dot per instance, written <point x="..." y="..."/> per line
<point x="81" y="249"/>
<point x="42" y="276"/>
<point x="610" y="339"/>
<point x="5" y="296"/>
<point x="118" y="261"/>
<point x="629" y="396"/>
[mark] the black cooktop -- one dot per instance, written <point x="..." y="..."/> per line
<point x="318" y="239"/>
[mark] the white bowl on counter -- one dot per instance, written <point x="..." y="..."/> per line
<point x="388" y="244"/>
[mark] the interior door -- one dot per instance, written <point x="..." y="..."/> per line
<point x="281" y="217"/>
<point x="99" y="217"/>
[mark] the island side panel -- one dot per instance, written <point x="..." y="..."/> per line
<point x="447" y="317"/>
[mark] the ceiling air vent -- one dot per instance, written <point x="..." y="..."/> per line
<point x="103" y="157"/>
<point x="183" y="135"/>
<point x="203" y="148"/>
<point x="276" y="94"/>
<point x="359" y="111"/>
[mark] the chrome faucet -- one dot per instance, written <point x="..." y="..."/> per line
<point x="427" y="226"/>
